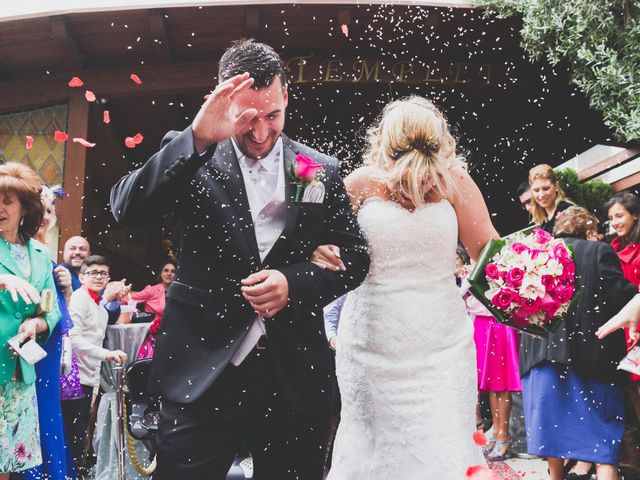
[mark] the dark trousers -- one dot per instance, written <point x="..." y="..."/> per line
<point x="199" y="440"/>
<point x="76" y="422"/>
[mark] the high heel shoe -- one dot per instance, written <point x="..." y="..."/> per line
<point x="489" y="446"/>
<point x="499" y="452"/>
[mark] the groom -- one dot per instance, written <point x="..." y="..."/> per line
<point x="241" y="354"/>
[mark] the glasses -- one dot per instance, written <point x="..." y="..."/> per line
<point x="97" y="274"/>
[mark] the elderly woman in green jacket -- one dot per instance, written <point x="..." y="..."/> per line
<point x="25" y="278"/>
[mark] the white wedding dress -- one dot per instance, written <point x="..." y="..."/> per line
<point x="405" y="355"/>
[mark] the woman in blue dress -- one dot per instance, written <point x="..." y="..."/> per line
<point x="57" y="463"/>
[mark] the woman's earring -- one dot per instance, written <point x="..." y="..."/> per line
<point x="22" y="221"/>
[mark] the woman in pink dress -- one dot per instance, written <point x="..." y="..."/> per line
<point x="153" y="297"/>
<point x="497" y="360"/>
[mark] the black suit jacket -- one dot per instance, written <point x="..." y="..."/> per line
<point x="206" y="318"/>
<point x="604" y="291"/>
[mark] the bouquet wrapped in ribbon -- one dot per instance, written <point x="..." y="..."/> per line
<point x="526" y="280"/>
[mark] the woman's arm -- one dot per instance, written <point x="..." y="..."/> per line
<point x="474" y="223"/>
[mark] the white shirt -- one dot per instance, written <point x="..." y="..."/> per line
<point x="264" y="184"/>
<point x="87" y="335"/>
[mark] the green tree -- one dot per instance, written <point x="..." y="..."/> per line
<point x="591" y="194"/>
<point x="599" y="40"/>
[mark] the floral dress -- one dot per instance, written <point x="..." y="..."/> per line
<point x="19" y="431"/>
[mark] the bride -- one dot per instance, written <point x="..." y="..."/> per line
<point x="405" y="354"/>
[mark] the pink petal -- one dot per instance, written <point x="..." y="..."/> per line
<point x="106" y="118"/>
<point x="137" y="138"/>
<point x="478" y="472"/>
<point x="136" y="79"/>
<point x="345" y="30"/>
<point x="59" y="136"/>
<point x="90" y="96"/>
<point x="29" y="144"/>
<point x="84" y="143"/>
<point x="75" y="82"/>
<point x="479" y="438"/>
<point x="130" y="142"/>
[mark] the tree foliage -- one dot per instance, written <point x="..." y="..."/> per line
<point x="591" y="194"/>
<point x="599" y="40"/>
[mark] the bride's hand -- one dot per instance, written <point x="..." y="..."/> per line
<point x="328" y="256"/>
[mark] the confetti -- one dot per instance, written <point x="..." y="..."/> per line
<point x="137" y="138"/>
<point x="75" y="82"/>
<point x="106" y="118"/>
<point x="130" y="142"/>
<point x="478" y="472"/>
<point x="479" y="438"/>
<point x="29" y="144"/>
<point x="59" y="136"/>
<point x="83" y="142"/>
<point x="136" y="79"/>
<point x="90" y="96"/>
<point x="345" y="30"/>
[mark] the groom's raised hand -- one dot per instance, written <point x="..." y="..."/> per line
<point x="216" y="120"/>
<point x="266" y="291"/>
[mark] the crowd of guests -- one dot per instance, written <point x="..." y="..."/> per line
<point x="45" y="408"/>
<point x="573" y="394"/>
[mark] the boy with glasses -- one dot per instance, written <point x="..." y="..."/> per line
<point x="90" y="321"/>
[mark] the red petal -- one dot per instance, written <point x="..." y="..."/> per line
<point x="345" y="30"/>
<point x="479" y="438"/>
<point x="84" y="143"/>
<point x="29" y="144"/>
<point x="478" y="472"/>
<point x="137" y="138"/>
<point x="207" y="96"/>
<point x="136" y="79"/>
<point x="105" y="116"/>
<point x="59" y="136"/>
<point x="90" y="96"/>
<point x="130" y="142"/>
<point x="75" y="82"/>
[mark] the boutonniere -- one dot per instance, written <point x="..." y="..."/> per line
<point x="304" y="171"/>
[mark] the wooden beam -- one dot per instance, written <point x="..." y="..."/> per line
<point x="627" y="182"/>
<point x="66" y="43"/>
<point x="608" y="163"/>
<point x="70" y="213"/>
<point x="159" y="35"/>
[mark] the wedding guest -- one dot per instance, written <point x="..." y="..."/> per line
<point x="572" y="392"/>
<point x="75" y="251"/>
<point x="623" y="210"/>
<point x="497" y="362"/>
<point x="524" y="196"/>
<point x="332" y="320"/>
<point x="153" y="297"/>
<point x="549" y="200"/>
<point x="57" y="463"/>
<point x="87" y="335"/>
<point x="26" y="276"/>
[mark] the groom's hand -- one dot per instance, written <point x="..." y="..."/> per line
<point x="267" y="291"/>
<point x="216" y="121"/>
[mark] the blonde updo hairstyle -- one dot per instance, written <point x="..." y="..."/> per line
<point x="545" y="172"/>
<point x="48" y="198"/>
<point x="413" y="148"/>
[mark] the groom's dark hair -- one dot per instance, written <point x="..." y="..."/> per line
<point x="259" y="59"/>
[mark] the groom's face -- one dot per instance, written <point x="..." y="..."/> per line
<point x="257" y="140"/>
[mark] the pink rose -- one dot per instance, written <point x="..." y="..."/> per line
<point x="529" y="306"/>
<point x="568" y="270"/>
<point x="306" y="168"/>
<point x="564" y="293"/>
<point x="535" y="252"/>
<point x="548" y="281"/>
<point x="560" y="251"/>
<point x="541" y="236"/>
<point x="514" y="277"/>
<point x="549" y="305"/>
<point x="492" y="271"/>
<point x="503" y="298"/>
<point x="519" y="247"/>
<point x="519" y="318"/>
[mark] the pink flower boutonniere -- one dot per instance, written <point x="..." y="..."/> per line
<point x="304" y="171"/>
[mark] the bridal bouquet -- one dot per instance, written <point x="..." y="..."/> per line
<point x="526" y="281"/>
